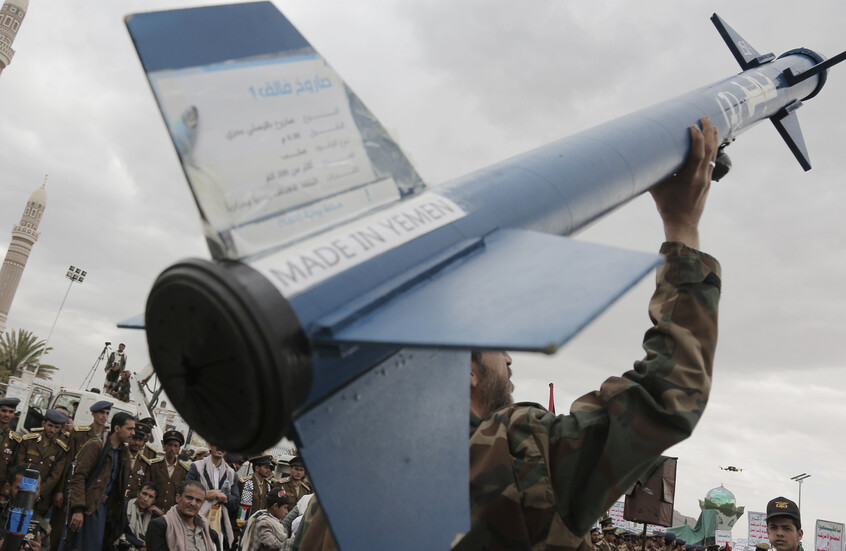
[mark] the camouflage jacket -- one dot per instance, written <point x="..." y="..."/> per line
<point x="540" y="481"/>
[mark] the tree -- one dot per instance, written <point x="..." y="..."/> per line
<point x="20" y="348"/>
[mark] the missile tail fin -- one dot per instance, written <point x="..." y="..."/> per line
<point x="787" y="124"/>
<point x="274" y="144"/>
<point x="397" y="465"/>
<point x="518" y="290"/>
<point x="746" y="55"/>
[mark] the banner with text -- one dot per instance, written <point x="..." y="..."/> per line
<point x="757" y="528"/>
<point x="828" y="536"/>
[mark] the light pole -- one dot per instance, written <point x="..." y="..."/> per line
<point x="75" y="275"/>
<point x="800" y="478"/>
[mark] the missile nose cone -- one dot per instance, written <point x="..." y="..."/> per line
<point x="229" y="352"/>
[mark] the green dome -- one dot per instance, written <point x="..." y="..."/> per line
<point x="721" y="496"/>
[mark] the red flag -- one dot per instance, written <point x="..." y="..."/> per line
<point x="551" y="401"/>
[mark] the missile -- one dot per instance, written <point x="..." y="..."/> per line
<point x="344" y="294"/>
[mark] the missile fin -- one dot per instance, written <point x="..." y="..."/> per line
<point x="746" y="55"/>
<point x="135" y="322"/>
<point x="274" y="144"/>
<point x="521" y="290"/>
<point x="787" y="124"/>
<point x="397" y="465"/>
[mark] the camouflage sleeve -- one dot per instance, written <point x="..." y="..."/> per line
<point x="612" y="435"/>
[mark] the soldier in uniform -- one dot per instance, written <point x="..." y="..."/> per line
<point x="138" y="464"/>
<point x="256" y="487"/>
<point x="168" y="472"/>
<point x="149" y="451"/>
<point x="295" y="484"/>
<point x="9" y="439"/>
<point x="78" y="437"/>
<point x="595" y="538"/>
<point x="47" y="451"/>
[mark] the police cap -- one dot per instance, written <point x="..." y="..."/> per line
<point x="261" y="460"/>
<point x="669" y="536"/>
<point x="10" y="402"/>
<point x="173" y="435"/>
<point x="56" y="416"/>
<point x="100" y="406"/>
<point x="296" y="461"/>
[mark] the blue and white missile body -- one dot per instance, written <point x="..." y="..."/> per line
<point x="344" y="295"/>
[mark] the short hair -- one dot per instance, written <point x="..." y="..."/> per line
<point x="278" y="496"/>
<point x="150" y="484"/>
<point x="120" y="419"/>
<point x="476" y="357"/>
<point x="19" y="470"/>
<point x="187" y="483"/>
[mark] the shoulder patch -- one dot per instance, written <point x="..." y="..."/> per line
<point x="15" y="436"/>
<point x="30" y="436"/>
<point x="146" y="459"/>
<point x="82" y="428"/>
<point x="61" y="444"/>
<point x="156" y="460"/>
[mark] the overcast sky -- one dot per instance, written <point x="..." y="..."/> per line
<point x="461" y="85"/>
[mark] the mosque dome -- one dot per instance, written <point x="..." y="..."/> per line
<point x="39" y="196"/>
<point x="721" y="496"/>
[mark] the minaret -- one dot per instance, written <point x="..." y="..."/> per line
<point x="11" y="17"/>
<point x="24" y="236"/>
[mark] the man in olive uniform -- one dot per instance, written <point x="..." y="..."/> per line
<point x="168" y="472"/>
<point x="81" y="434"/>
<point x="256" y="487"/>
<point x="48" y="452"/>
<point x="138" y="464"/>
<point x="295" y="484"/>
<point x="9" y="439"/>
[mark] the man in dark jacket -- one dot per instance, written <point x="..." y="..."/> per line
<point x="97" y="488"/>
<point x="188" y="529"/>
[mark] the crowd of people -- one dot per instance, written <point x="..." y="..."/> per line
<point x="104" y="486"/>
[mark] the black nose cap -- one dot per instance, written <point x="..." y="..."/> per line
<point x="229" y="351"/>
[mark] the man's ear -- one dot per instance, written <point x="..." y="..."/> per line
<point x="474" y="375"/>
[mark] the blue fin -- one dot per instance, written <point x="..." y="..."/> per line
<point x="518" y="290"/>
<point x="395" y="473"/>
<point x="274" y="144"/>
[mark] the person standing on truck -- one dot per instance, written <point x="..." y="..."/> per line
<point x="9" y="439"/>
<point x="114" y="366"/>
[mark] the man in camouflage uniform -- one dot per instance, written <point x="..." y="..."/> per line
<point x="295" y="484"/>
<point x="538" y="480"/>
<point x="48" y="452"/>
<point x="138" y="463"/>
<point x="9" y="439"/>
<point x="168" y="472"/>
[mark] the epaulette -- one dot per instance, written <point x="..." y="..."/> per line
<point x="186" y="464"/>
<point x="307" y="486"/>
<point x="284" y="480"/>
<point x="30" y="436"/>
<point x="156" y="460"/>
<point x="146" y="459"/>
<point x="61" y="444"/>
<point x="15" y="436"/>
<point x="244" y="478"/>
<point x="36" y="429"/>
<point x="82" y="428"/>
